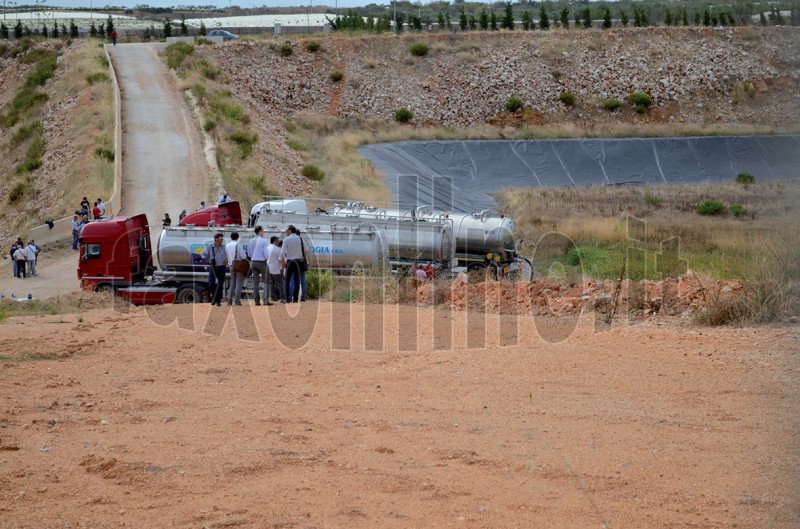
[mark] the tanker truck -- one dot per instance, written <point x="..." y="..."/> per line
<point x="480" y="240"/>
<point x="117" y="256"/>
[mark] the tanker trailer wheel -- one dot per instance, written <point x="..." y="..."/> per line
<point x="479" y="272"/>
<point x="189" y="294"/>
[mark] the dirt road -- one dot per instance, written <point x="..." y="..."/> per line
<point x="126" y="420"/>
<point x="164" y="168"/>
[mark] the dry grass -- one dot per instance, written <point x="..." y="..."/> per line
<point x="758" y="250"/>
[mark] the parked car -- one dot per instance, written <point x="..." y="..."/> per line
<point x="226" y="35"/>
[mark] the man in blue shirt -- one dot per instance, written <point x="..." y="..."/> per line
<point x="215" y="256"/>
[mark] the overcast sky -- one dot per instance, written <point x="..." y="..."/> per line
<point x="168" y="3"/>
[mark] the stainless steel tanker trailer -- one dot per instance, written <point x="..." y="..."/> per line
<point x="480" y="240"/>
<point x="409" y="240"/>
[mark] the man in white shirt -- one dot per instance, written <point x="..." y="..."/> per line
<point x="235" y="251"/>
<point x="259" y="249"/>
<point x="102" y="207"/>
<point x="76" y="231"/>
<point x="31" y="252"/>
<point x="223" y="198"/>
<point x="276" y="280"/>
<point x="292" y="256"/>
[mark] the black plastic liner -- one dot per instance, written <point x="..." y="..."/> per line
<point x="458" y="175"/>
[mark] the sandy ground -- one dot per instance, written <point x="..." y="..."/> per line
<point x="393" y="417"/>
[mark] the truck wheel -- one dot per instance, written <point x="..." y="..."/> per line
<point x="106" y="288"/>
<point x="188" y="294"/>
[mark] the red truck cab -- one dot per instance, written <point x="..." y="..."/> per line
<point x="115" y="252"/>
<point x="225" y="214"/>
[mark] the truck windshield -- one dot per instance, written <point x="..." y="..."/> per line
<point x="91" y="251"/>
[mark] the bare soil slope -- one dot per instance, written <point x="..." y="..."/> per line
<point x="125" y="420"/>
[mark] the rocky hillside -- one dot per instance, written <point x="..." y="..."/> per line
<point x="730" y="76"/>
<point x="75" y="117"/>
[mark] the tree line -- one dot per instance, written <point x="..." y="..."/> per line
<point x="522" y="15"/>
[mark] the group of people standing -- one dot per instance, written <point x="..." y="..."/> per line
<point x="84" y="215"/>
<point x="279" y="264"/>
<point x="94" y="211"/>
<point x="24" y="257"/>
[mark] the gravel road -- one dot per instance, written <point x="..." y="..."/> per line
<point x="164" y="167"/>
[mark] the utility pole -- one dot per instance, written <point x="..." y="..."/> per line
<point x="395" y="16"/>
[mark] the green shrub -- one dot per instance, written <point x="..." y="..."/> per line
<point x="745" y="179"/>
<point x="209" y="124"/>
<point x="652" y="200"/>
<point x="257" y="183"/>
<point x="312" y="172"/>
<point x="514" y="103"/>
<point x="592" y="259"/>
<point x="337" y="76"/>
<point x="748" y="89"/>
<point x="29" y="165"/>
<point x="641" y="101"/>
<point x="612" y="104"/>
<point x="348" y="296"/>
<point x="290" y="125"/>
<point x="35" y="56"/>
<point x="204" y="42"/>
<point x="738" y="210"/>
<point x="245" y="142"/>
<point x="296" y="145"/>
<point x="568" y="98"/>
<point x="313" y="46"/>
<point x="177" y="53"/>
<point x="103" y="60"/>
<point x="104" y="154"/>
<point x="403" y="115"/>
<point x="232" y="111"/>
<point x="36" y="149"/>
<point x="286" y="50"/>
<point x="26" y="132"/>
<point x="97" y="77"/>
<point x="711" y="207"/>
<point x="18" y="191"/>
<point x="209" y="71"/>
<point x="200" y="90"/>
<point x="419" y="49"/>
<point x="24" y="102"/>
<point x="318" y="283"/>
